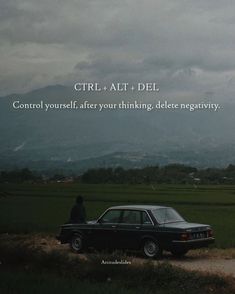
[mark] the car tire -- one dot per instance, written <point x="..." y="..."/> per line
<point x="179" y="253"/>
<point x="76" y="243"/>
<point x="151" y="249"/>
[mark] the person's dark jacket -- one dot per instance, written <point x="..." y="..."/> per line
<point x="78" y="214"/>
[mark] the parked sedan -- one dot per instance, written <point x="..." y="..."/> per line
<point x="149" y="228"/>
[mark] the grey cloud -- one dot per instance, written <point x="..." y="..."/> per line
<point x="183" y="44"/>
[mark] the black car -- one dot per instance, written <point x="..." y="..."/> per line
<point x="138" y="227"/>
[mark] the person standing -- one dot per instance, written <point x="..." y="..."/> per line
<point x="78" y="212"/>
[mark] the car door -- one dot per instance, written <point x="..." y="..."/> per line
<point x="104" y="233"/>
<point x="129" y="229"/>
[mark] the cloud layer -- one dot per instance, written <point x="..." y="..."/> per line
<point x="186" y="46"/>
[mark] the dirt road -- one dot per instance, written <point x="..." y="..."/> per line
<point x="216" y="265"/>
<point x="220" y="261"/>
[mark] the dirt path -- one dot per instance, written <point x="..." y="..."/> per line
<point x="220" y="261"/>
<point x="217" y="265"/>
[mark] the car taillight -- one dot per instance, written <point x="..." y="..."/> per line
<point x="210" y="233"/>
<point x="184" y="237"/>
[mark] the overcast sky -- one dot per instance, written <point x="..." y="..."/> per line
<point x="186" y="46"/>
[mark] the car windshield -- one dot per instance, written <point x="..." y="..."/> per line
<point x="167" y="215"/>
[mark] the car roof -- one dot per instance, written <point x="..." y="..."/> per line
<point x="138" y="207"/>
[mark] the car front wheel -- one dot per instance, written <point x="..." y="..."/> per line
<point x="151" y="249"/>
<point x="76" y="243"/>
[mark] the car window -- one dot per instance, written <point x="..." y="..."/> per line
<point x="167" y="215"/>
<point x="111" y="216"/>
<point x="131" y="217"/>
<point x="146" y="219"/>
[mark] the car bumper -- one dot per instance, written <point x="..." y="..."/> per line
<point x="193" y="244"/>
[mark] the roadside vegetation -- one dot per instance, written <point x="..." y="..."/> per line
<point x="54" y="271"/>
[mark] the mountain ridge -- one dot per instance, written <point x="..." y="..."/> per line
<point x="28" y="136"/>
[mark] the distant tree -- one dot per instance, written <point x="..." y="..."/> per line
<point x="18" y="176"/>
<point x="57" y="177"/>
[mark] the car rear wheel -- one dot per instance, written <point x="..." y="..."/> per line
<point x="179" y="253"/>
<point x="76" y="243"/>
<point x="151" y="249"/>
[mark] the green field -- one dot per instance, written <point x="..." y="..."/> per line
<point x="43" y="207"/>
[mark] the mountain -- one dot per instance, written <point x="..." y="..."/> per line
<point x="80" y="139"/>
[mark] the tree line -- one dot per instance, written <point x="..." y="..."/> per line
<point x="169" y="174"/>
<point x="19" y="176"/>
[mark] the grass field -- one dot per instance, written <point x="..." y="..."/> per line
<point x="43" y="207"/>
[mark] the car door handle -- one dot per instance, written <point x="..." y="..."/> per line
<point x="137" y="227"/>
<point x="114" y="226"/>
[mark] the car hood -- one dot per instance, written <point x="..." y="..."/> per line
<point x="185" y="226"/>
